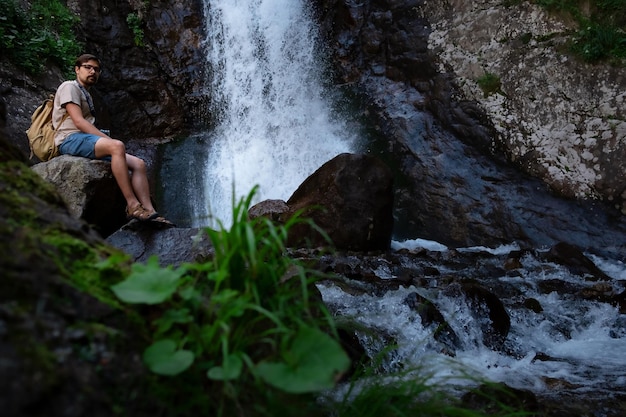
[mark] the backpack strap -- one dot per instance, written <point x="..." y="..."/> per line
<point x="65" y="116"/>
<point x="92" y="108"/>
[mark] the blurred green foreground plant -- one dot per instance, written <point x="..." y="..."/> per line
<point x="250" y="322"/>
<point x="244" y="318"/>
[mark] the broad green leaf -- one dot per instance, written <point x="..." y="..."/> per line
<point x="148" y="284"/>
<point x="230" y="369"/>
<point x="162" y="358"/>
<point x="315" y="360"/>
<point x="171" y="317"/>
<point x="189" y="293"/>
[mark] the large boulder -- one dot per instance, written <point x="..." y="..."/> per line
<point x="88" y="189"/>
<point x="350" y="198"/>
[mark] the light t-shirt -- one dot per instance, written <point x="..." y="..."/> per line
<point x="69" y="92"/>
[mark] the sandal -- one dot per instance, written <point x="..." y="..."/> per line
<point x="161" y="219"/>
<point x="140" y="213"/>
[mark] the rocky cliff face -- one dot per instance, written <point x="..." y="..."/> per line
<point x="457" y="183"/>
<point x="556" y="117"/>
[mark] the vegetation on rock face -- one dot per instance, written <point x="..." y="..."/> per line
<point x="602" y="23"/>
<point x="43" y="32"/>
<point x="50" y="278"/>
<point x="134" y="22"/>
<point x="490" y="83"/>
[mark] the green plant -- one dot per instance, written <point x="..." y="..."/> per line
<point x="489" y="83"/>
<point x="32" y="36"/>
<point x="134" y="22"/>
<point x="247" y="319"/>
<point x="597" y="42"/>
<point x="601" y="35"/>
<point x="412" y="392"/>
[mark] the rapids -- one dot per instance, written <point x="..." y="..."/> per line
<point x="572" y="347"/>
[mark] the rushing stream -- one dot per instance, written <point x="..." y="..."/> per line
<point x="276" y="122"/>
<point x="571" y="347"/>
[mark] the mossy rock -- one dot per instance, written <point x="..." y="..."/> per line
<point x="68" y="346"/>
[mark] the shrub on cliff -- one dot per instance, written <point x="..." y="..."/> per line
<point x="41" y="32"/>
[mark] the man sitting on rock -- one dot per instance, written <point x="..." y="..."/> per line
<point x="77" y="135"/>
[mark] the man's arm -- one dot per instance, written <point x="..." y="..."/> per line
<point x="80" y="122"/>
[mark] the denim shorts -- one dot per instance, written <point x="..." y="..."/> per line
<point x="81" y="144"/>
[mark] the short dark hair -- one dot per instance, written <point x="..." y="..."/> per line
<point x="85" y="58"/>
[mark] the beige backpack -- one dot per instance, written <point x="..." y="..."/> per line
<point x="41" y="132"/>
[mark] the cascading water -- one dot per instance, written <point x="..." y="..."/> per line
<point x="274" y="119"/>
<point x="573" y="346"/>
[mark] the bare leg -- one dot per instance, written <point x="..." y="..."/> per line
<point x="135" y="188"/>
<point x="139" y="181"/>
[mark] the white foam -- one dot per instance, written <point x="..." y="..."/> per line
<point x="413" y="244"/>
<point x="275" y="121"/>
<point x="579" y="341"/>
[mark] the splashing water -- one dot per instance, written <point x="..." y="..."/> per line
<point x="582" y="341"/>
<point x="274" y="119"/>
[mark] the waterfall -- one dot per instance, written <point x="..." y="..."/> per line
<point x="275" y="122"/>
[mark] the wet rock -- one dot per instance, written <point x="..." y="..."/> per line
<point x="575" y="261"/>
<point x="620" y="301"/>
<point x="599" y="291"/>
<point x="493" y="398"/>
<point x="558" y="286"/>
<point x="497" y="323"/>
<point x="172" y="245"/>
<point x="533" y="304"/>
<point x="272" y="209"/>
<point x="430" y="315"/>
<point x="355" y="350"/>
<point x="513" y="261"/>
<point x="351" y="199"/>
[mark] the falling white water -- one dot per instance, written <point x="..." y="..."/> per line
<point x="275" y="121"/>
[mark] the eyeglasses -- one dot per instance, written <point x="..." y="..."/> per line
<point x="91" y="67"/>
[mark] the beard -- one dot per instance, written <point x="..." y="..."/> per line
<point x="91" y="80"/>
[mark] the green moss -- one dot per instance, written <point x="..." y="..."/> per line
<point x="20" y="187"/>
<point x="32" y="217"/>
<point x="84" y="265"/>
<point x="526" y="37"/>
<point x="39" y="358"/>
<point x="489" y="83"/>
